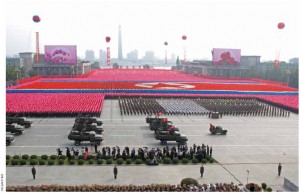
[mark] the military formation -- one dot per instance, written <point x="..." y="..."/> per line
<point x="241" y="107"/>
<point x="200" y="106"/>
<point x="136" y="106"/>
<point x="55" y="114"/>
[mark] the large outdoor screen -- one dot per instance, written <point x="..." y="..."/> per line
<point x="61" y="54"/>
<point x="226" y="56"/>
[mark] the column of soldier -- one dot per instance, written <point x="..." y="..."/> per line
<point x="232" y="107"/>
<point x="181" y="151"/>
<point x="136" y="106"/>
<point x="242" y="107"/>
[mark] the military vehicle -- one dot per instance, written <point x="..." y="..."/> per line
<point x="88" y="120"/>
<point x="166" y="127"/>
<point x="165" y="136"/>
<point x="153" y="120"/>
<point x="81" y="136"/>
<point x="217" y="130"/>
<point x="87" y="127"/>
<point x="160" y="123"/>
<point x="18" y="120"/>
<point x="9" y="139"/>
<point x="149" y="119"/>
<point x="14" y="129"/>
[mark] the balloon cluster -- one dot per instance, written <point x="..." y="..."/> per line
<point x="183" y="37"/>
<point x="107" y="39"/>
<point x="166" y="43"/>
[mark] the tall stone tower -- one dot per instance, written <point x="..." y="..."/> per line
<point x="120" y="55"/>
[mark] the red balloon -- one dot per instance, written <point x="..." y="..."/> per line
<point x="107" y="38"/>
<point x="184" y="37"/>
<point x="280" y="25"/>
<point x="166" y="43"/>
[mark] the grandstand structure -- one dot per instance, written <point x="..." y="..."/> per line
<point x="84" y="94"/>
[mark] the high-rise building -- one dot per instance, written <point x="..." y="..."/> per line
<point x="26" y="60"/>
<point x="294" y="60"/>
<point x="120" y="55"/>
<point x="102" y="56"/>
<point x="173" y="57"/>
<point x="149" y="56"/>
<point x="89" y="55"/>
<point x="13" y="62"/>
<point x="132" y="56"/>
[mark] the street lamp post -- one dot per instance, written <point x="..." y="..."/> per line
<point x="17" y="71"/>
<point x="288" y="73"/>
<point x="247" y="176"/>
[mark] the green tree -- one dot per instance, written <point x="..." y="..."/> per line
<point x="276" y="74"/>
<point x="177" y="62"/>
<point x="32" y="73"/>
<point x="115" y="65"/>
<point x="11" y="74"/>
<point x="294" y="79"/>
<point x="146" y="66"/>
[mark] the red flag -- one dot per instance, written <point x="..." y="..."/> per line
<point x="276" y="63"/>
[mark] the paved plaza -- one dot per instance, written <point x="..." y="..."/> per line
<point x="256" y="144"/>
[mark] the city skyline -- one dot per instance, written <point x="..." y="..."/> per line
<point x="248" y="25"/>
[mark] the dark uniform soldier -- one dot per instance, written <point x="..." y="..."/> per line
<point x="59" y="152"/>
<point x="33" y="171"/>
<point x="207" y="150"/>
<point x="279" y="169"/>
<point x="201" y="170"/>
<point x="96" y="146"/>
<point x="68" y="153"/>
<point x="115" y="172"/>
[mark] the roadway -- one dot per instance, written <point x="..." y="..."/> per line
<point x="256" y="144"/>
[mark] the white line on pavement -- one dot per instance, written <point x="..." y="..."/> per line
<point x="46" y="135"/>
<point x="194" y="135"/>
<point x="121" y="135"/>
<point x="256" y="135"/>
<point x="52" y="125"/>
<point x="34" y="146"/>
<point x="287" y="135"/>
<point x="255" y="145"/>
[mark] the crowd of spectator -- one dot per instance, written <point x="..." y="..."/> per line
<point x="181" y="151"/>
<point x="217" y="187"/>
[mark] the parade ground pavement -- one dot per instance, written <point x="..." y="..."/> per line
<point x="254" y="144"/>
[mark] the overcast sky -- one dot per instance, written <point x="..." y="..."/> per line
<point x="249" y="25"/>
